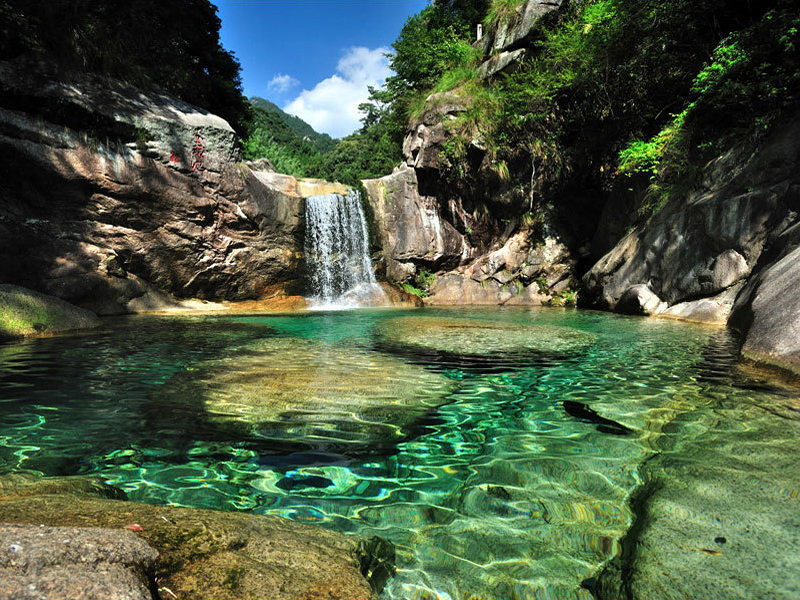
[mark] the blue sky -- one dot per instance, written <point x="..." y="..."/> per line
<point x="314" y="58"/>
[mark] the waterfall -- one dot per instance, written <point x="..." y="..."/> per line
<point x="338" y="267"/>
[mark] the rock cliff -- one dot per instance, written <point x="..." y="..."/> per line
<point x="726" y="253"/>
<point x="117" y="200"/>
<point x="482" y="226"/>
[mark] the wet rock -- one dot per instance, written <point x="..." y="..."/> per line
<point x="38" y="562"/>
<point x="25" y="312"/>
<point x="214" y="554"/>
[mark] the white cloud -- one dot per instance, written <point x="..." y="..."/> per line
<point x="282" y="83"/>
<point x="332" y="105"/>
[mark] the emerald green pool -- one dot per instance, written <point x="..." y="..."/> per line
<point x="496" y="448"/>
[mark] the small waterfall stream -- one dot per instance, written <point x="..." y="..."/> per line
<point x="338" y="266"/>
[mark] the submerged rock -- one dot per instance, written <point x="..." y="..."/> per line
<point x="716" y="516"/>
<point x="304" y="391"/>
<point x="476" y="337"/>
<point x="202" y="553"/>
<point x="25" y="312"/>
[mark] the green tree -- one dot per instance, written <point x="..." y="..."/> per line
<point x="174" y="45"/>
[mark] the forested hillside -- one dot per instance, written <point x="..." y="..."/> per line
<point x="291" y="144"/>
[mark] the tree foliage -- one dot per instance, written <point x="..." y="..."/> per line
<point x="174" y="45"/>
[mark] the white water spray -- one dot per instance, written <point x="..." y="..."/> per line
<point x="337" y="254"/>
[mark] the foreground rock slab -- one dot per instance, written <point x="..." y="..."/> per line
<point x="204" y="553"/>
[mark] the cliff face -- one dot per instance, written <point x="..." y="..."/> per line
<point x="726" y="253"/>
<point x="116" y="200"/>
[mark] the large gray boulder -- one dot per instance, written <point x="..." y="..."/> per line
<point x="409" y="226"/>
<point x="768" y="314"/>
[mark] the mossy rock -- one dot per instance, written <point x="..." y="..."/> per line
<point x="25" y="312"/>
<point x="326" y="395"/>
<point x="212" y="554"/>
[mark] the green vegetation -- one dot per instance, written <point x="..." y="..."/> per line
<point x="424" y="279"/>
<point x="173" y="45"/>
<point x="291" y="144"/>
<point x="296" y="149"/>
<point x="638" y="88"/>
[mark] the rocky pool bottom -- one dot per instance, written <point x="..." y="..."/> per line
<point x="514" y="453"/>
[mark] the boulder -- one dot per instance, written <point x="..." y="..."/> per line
<point x="768" y="314"/>
<point x="503" y="62"/>
<point x="710" y="311"/>
<point x="519" y="29"/>
<point x="639" y="300"/>
<point x="25" y="312"/>
<point x="39" y="562"/>
<point x="409" y="227"/>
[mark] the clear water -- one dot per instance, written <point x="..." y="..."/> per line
<point x="339" y="269"/>
<point x="463" y="455"/>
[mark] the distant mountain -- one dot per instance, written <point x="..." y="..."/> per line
<point x="322" y="142"/>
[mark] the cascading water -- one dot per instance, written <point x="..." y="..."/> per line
<point x="337" y="253"/>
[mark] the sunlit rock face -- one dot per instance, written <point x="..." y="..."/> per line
<point x="118" y="201"/>
<point x="410" y="228"/>
<point x="290" y="389"/>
